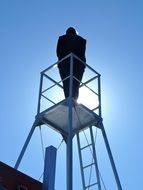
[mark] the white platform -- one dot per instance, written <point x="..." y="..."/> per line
<point x="57" y="117"/>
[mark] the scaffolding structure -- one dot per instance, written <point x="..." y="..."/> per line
<point x="70" y="118"/>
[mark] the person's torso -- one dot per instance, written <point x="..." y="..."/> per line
<point x="74" y="44"/>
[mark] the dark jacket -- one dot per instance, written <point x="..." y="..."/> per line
<point x="71" y="43"/>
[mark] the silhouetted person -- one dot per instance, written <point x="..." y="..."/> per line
<point x="71" y="43"/>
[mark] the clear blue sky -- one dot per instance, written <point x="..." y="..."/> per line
<point x="29" y="30"/>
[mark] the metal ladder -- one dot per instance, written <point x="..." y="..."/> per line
<point x="89" y="169"/>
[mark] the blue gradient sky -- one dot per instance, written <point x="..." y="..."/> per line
<point x="29" y="30"/>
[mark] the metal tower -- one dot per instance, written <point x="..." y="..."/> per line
<point x="70" y="119"/>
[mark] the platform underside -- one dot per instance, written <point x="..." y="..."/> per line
<point x="57" y="117"/>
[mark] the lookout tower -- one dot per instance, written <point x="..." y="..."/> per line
<point x="70" y="119"/>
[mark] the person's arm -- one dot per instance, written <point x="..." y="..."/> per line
<point x="84" y="50"/>
<point x="58" y="51"/>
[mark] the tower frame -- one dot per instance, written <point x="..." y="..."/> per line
<point x="74" y="114"/>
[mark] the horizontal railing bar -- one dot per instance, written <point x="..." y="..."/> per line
<point x="49" y="88"/>
<point x="91" y="89"/>
<point x="53" y="80"/>
<point x="95" y="108"/>
<point x="45" y="70"/>
<point x="88" y="81"/>
<point x="88" y="165"/>
<point x="93" y="70"/>
<point x="91" y="185"/>
<point x="78" y="59"/>
<point x="56" y="63"/>
<point x="48" y="99"/>
<point x="67" y="56"/>
<point x="85" y="146"/>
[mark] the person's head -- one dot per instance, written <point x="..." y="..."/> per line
<point x="71" y="30"/>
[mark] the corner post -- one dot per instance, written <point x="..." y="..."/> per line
<point x="70" y="132"/>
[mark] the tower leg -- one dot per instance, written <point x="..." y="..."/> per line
<point x="70" y="132"/>
<point x="111" y="158"/>
<point x="69" y="164"/>
<point x="69" y="149"/>
<point x="24" y="148"/>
